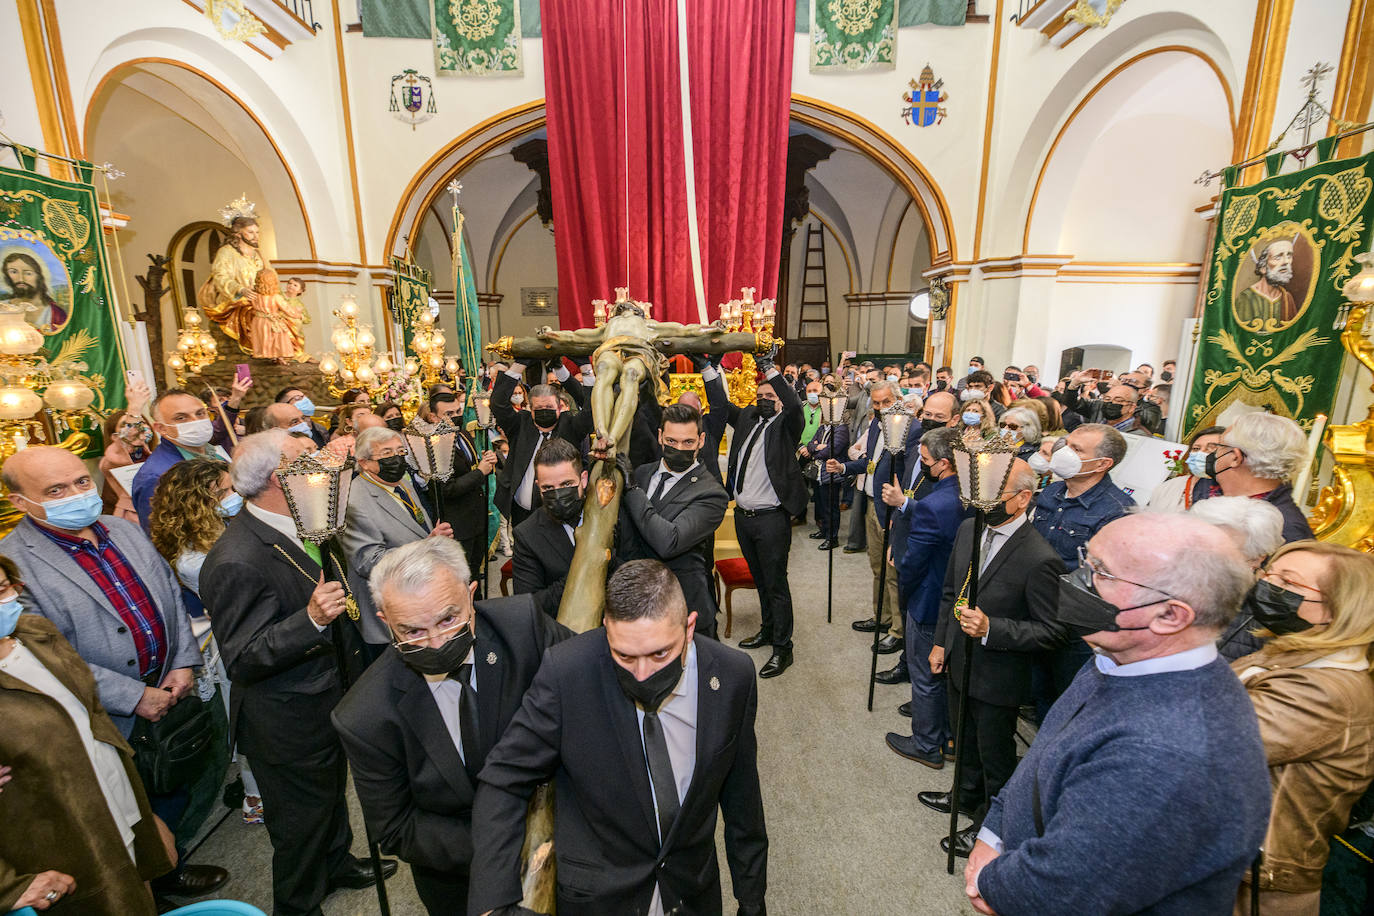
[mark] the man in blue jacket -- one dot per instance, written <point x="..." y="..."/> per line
<point x="935" y="521"/>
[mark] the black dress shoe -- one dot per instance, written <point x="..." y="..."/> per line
<point x="357" y="873"/>
<point x="828" y="545"/>
<point x="866" y="626"/>
<point x="963" y="842"/>
<point x="815" y="535"/>
<point x="756" y="641"/>
<point x="897" y="674"/>
<point x="192" y="881"/>
<point x="889" y="644"/>
<point x="905" y="709"/>
<point x="938" y="801"/>
<point x="780" y="662"/>
<point x="849" y="548"/>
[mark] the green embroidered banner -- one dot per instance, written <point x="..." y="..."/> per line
<point x="853" y="35"/>
<point x="1284" y="248"/>
<point x="409" y="297"/>
<point x="55" y="272"/>
<point x="477" y="38"/>
<point x="909" y="13"/>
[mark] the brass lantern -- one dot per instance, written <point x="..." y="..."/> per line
<point x="983" y="468"/>
<point x="896" y="420"/>
<point x="832" y="407"/>
<point x="316" y="487"/>
<point x="431" y="449"/>
<point x="481" y="402"/>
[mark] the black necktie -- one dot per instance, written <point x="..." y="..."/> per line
<point x="659" y="487"/>
<point x="746" y="452"/>
<point x="467" y="721"/>
<point x="660" y="773"/>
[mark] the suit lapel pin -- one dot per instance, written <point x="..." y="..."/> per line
<point x="715" y="683"/>
<point x="491" y="658"/>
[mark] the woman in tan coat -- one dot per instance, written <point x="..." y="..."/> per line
<point x="1314" y="697"/>
<point x="78" y="829"/>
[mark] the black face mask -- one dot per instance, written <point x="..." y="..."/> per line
<point x="1275" y="608"/>
<point x="396" y="423"/>
<point x="1111" y="412"/>
<point x="997" y="515"/>
<point x="1166" y="376"/>
<point x="654" y="689"/>
<point x="1211" y="469"/>
<point x="928" y="424"/>
<point x="1103" y="387"/>
<point x="927" y="473"/>
<point x="767" y="408"/>
<point x="679" y="459"/>
<point x="563" y="503"/>
<point x="443" y="660"/>
<point x="1084" y="611"/>
<point x="392" y="469"/>
<point x="545" y="417"/>
<point x="941" y="384"/>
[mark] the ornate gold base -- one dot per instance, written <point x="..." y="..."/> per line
<point x="1344" y="513"/>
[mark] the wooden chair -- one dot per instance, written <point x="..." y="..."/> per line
<point x="730" y="570"/>
<point x="507" y="571"/>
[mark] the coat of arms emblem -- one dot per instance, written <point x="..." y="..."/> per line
<point x="925" y="103"/>
<point x="412" y="98"/>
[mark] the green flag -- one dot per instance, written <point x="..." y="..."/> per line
<point x="409" y="297"/>
<point x="1284" y="248"/>
<point x="477" y="38"/>
<point x="53" y="265"/>
<point x="853" y="35"/>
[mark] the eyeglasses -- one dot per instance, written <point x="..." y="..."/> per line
<point x="1014" y="427"/>
<point x="10" y="591"/>
<point x="421" y="640"/>
<point x="389" y="453"/>
<point x="1094" y="570"/>
<point x="1275" y="577"/>
<point x="1122" y="401"/>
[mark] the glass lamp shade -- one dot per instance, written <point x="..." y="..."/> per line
<point x="412" y="366"/>
<point x="431" y="451"/>
<point x="1360" y="288"/>
<point x="68" y="394"/>
<point x="365" y="375"/>
<point x="383" y="364"/>
<point x="451" y="366"/>
<point x="346" y="374"/>
<point x="175" y="363"/>
<point x="421" y="343"/>
<point x="316" y="487"/>
<point x="435" y="360"/>
<point x="439" y="341"/>
<point x="983" y="468"/>
<point x="833" y="408"/>
<point x="17" y="336"/>
<point x="896" y="421"/>
<point x="348" y="307"/>
<point x="18" y="403"/>
<point x="481" y="402"/>
<point x="328" y="365"/>
<point x="366" y="338"/>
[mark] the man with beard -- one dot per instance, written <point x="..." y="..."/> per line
<point x="1267" y="303"/>
<point x="228" y="297"/>
<point x="544" y="542"/>
<point x="28" y="287"/>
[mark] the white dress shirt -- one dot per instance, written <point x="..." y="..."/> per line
<point x="678" y="716"/>
<point x="674" y="477"/>
<point x="756" y="491"/>
<point x="448" y="696"/>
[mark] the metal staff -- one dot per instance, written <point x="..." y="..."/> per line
<point x="832" y="405"/>
<point x="896" y="420"/>
<point x="982" y="468"/>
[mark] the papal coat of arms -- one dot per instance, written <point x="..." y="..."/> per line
<point x="925" y="103"/>
<point x="412" y="98"/>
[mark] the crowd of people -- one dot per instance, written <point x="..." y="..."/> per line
<point x="1197" y="668"/>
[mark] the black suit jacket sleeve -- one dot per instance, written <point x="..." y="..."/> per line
<point x="954" y="582"/>
<point x="531" y="574"/>
<point x="670" y="538"/>
<point x="461" y="485"/>
<point x="527" y="755"/>
<point x="402" y="828"/>
<point x="718" y="399"/>
<point x="256" y="645"/>
<point x="506" y="416"/>
<point x="792" y="420"/>
<point x="741" y="807"/>
<point x="731" y="410"/>
<point x="1042" y="630"/>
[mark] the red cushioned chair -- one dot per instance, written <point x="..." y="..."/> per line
<point x="733" y="573"/>
<point x="507" y="570"/>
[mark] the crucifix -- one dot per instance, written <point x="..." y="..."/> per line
<point x="625" y="348"/>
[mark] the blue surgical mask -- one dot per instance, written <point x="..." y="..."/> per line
<point x="72" y="513"/>
<point x="1197" y="463"/>
<point x="972" y="418"/>
<point x="302" y="427"/>
<point x="813" y="397"/>
<point x="230" y="505"/>
<point x="9" y="616"/>
<point x="306" y="406"/>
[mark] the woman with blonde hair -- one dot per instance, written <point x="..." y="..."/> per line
<point x="980" y="422"/>
<point x="1314" y="698"/>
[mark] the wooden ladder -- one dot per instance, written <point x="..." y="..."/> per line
<point x="815" y="306"/>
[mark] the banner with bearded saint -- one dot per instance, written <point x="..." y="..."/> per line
<point x="1284" y="247"/>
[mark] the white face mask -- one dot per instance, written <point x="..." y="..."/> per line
<point x="1039" y="464"/>
<point x="194" y="433"/>
<point x="517" y="398"/>
<point x="1065" y="464"/>
<point x="972" y="394"/>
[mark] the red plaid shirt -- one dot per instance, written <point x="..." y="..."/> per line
<point x="116" y="579"/>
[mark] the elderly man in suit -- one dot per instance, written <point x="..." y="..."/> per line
<point x="647" y="733"/>
<point x="544" y="542"/>
<point x="769" y="491"/>
<point x="114" y="598"/>
<point x="526" y="430"/>
<point x="464" y="503"/>
<point x="671" y="509"/>
<point x="1016" y="617"/>
<point x="419" y="724"/>
<point x="383" y="512"/>
<point x="273" y="613"/>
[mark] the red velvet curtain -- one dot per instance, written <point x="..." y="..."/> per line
<point x="613" y="93"/>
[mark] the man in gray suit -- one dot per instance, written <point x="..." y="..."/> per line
<point x="114" y="598"/>
<point x="383" y="512"/>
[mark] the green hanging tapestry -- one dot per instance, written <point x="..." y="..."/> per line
<point x="853" y="35"/>
<point x="409" y="297"/>
<point x="1284" y="248"/>
<point x="477" y="38"/>
<point x="54" y="269"/>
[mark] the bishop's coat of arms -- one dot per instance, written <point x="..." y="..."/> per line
<point x="412" y="98"/>
<point x="925" y="103"/>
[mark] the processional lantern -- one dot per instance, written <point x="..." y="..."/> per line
<point x="316" y="487"/>
<point x="833" y="408"/>
<point x="431" y="449"/>
<point x="896" y="420"/>
<point x="481" y="402"/>
<point x="983" y="467"/>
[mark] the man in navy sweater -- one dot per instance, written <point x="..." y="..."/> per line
<point x="1146" y="789"/>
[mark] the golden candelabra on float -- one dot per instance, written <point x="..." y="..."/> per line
<point x="428" y="342"/>
<point x="739" y="315"/>
<point x="196" y="349"/>
<point x="351" y="365"/>
<point x="29" y="384"/>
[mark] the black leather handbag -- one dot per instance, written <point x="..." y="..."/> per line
<point x="171" y="752"/>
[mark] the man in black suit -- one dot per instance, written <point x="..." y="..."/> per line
<point x="769" y="491"/>
<point x="1018" y="599"/>
<point x="646" y="732"/>
<point x="465" y="493"/>
<point x="544" y="542"/>
<point x="671" y="509"/>
<point x="526" y="430"/>
<point x="272" y="610"/>
<point x="419" y="724"/>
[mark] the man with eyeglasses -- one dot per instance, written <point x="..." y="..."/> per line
<point x="1146" y="788"/>
<point x="1258" y="456"/>
<point x="1119" y="410"/>
<point x="419" y="724"/>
